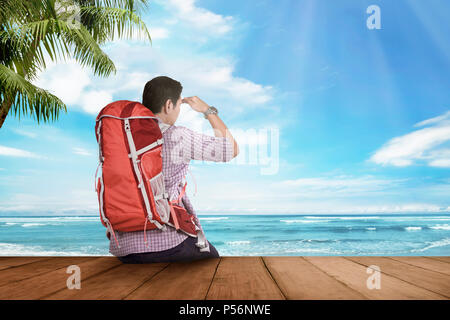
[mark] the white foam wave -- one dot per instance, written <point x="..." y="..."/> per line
<point x="320" y="250"/>
<point x="371" y="229"/>
<point x="26" y="225"/>
<point x="13" y="249"/>
<point x="241" y="242"/>
<point x="213" y="218"/>
<point x="46" y="219"/>
<point x="439" y="243"/>
<point x="441" y="227"/>
<point x="303" y="221"/>
<point x="344" y="218"/>
<point x="413" y="228"/>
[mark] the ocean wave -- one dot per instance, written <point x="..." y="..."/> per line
<point x="441" y="227"/>
<point x="26" y="225"/>
<point x="371" y="229"/>
<point x="302" y="240"/>
<point x="212" y="219"/>
<point x="13" y="249"/>
<point x="343" y="218"/>
<point x="47" y="219"/>
<point x="309" y="250"/>
<point x="413" y="228"/>
<point x="239" y="242"/>
<point x="434" y="244"/>
<point x="303" y="221"/>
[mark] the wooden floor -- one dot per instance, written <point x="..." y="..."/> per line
<point x="227" y="278"/>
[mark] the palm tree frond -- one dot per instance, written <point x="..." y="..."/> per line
<point x="105" y="24"/>
<point x="28" y="98"/>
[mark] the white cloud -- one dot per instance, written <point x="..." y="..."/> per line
<point x="325" y="194"/>
<point x="65" y="80"/>
<point x="435" y="120"/>
<point x="199" y="18"/>
<point x="204" y="73"/>
<point x="14" y="152"/>
<point x="81" y="151"/>
<point x="158" y="33"/>
<point x="83" y="202"/>
<point x="75" y="86"/>
<point x="443" y="163"/>
<point x="332" y="208"/>
<point x="426" y="145"/>
<point x="24" y="133"/>
<point x="93" y="101"/>
<point x="213" y="77"/>
<point x="338" y="185"/>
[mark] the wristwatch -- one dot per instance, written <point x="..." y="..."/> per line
<point x="211" y="110"/>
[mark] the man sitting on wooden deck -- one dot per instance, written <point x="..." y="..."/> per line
<point x="162" y="95"/>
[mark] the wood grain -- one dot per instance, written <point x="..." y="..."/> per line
<point x="180" y="280"/>
<point x="420" y="277"/>
<point x="228" y="278"/>
<point x="9" y="262"/>
<point x="299" y="279"/>
<point x="112" y="284"/>
<point x="36" y="268"/>
<point x="426" y="263"/>
<point x="46" y="283"/>
<point x="243" y="278"/>
<point x="355" y="276"/>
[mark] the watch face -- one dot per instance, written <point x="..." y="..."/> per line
<point x="211" y="110"/>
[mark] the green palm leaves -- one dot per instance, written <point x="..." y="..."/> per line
<point x="32" y="31"/>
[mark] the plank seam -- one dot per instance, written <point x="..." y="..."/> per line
<point x="436" y="259"/>
<point x="410" y="264"/>
<point x="333" y="277"/>
<point x="40" y="274"/>
<point x="413" y="284"/>
<point x="145" y="281"/>
<point x="26" y="263"/>
<point x="212" y="279"/>
<point x="84" y="279"/>
<point x="273" y="279"/>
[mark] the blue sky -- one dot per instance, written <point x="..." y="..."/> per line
<point x="352" y="120"/>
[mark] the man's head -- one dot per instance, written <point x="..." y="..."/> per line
<point x="162" y="95"/>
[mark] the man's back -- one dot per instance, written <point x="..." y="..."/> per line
<point x="181" y="145"/>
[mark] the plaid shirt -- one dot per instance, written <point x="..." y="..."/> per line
<point x="181" y="145"/>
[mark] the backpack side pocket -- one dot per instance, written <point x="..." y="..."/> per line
<point x="151" y="166"/>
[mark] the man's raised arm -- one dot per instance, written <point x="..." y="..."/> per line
<point x="220" y="129"/>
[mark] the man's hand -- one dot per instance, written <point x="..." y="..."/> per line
<point x="196" y="103"/>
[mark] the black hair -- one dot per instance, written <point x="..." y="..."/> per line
<point x="158" y="90"/>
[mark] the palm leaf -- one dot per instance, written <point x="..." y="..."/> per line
<point x="60" y="41"/>
<point x="106" y="23"/>
<point x="32" y="30"/>
<point x="28" y="98"/>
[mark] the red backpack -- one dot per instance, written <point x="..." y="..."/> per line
<point x="130" y="189"/>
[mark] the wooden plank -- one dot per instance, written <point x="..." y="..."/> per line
<point x="243" y="278"/>
<point x="427" y="279"/>
<point x="444" y="259"/>
<point x="355" y="276"/>
<point x="36" y="268"/>
<point x="9" y="262"/>
<point x="47" y="283"/>
<point x="299" y="279"/>
<point x="424" y="262"/>
<point x="180" y="280"/>
<point x="120" y="282"/>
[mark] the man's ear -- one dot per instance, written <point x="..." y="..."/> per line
<point x="167" y="105"/>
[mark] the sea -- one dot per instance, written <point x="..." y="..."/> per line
<point x="247" y="235"/>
